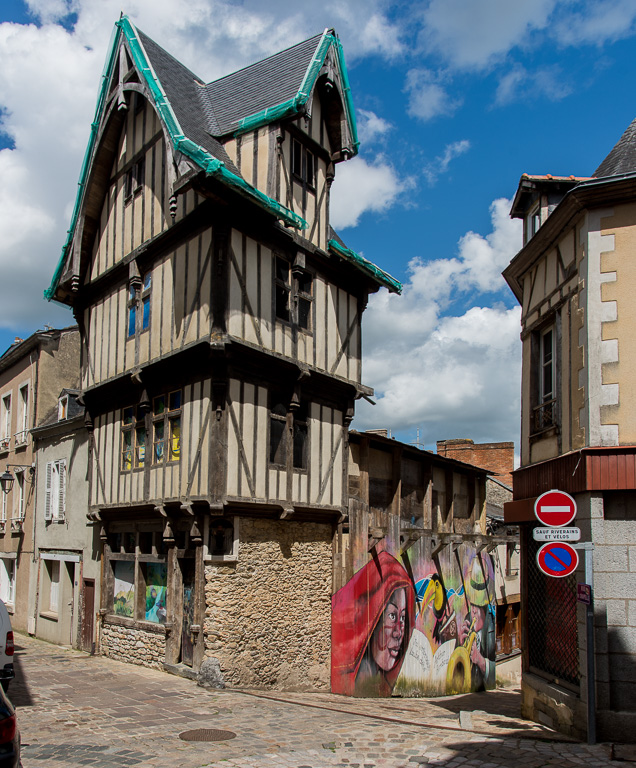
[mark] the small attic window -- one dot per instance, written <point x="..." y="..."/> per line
<point x="62" y="408"/>
<point x="134" y="179"/>
<point x="303" y="163"/>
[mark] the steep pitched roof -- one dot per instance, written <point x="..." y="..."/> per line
<point x="622" y="158"/>
<point x="263" y="86"/>
<point x="193" y="113"/>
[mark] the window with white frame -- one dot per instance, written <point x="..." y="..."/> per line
<point x="5" y="422"/>
<point x="23" y="415"/>
<point x="51" y="586"/>
<point x="7" y="580"/>
<point x="18" y="511"/>
<point x="3" y="507"/>
<point x="545" y="399"/>
<point x="55" y="495"/>
<point x="223" y="539"/>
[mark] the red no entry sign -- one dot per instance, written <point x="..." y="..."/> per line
<point x="555" y="508"/>
<point x="557" y="558"/>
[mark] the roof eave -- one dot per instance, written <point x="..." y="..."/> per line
<point x="372" y="271"/>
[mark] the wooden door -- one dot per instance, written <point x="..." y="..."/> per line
<point x="88" y="616"/>
<point x="187" y="646"/>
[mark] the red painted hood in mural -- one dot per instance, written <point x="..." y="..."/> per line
<point x="356" y="610"/>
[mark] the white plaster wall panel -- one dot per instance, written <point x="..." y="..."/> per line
<point x="337" y="496"/>
<point x="342" y="331"/>
<point x="609" y="394"/>
<point x="193" y="427"/>
<point x="167" y="308"/>
<point x="249" y="435"/>
<point x="252" y="320"/>
<point x="608" y="311"/>
<point x="314" y="445"/>
<point x="233" y="461"/>
<point x="609" y="351"/>
<point x="597" y="312"/>
<point x="235" y="300"/>
<point x="267" y="323"/>
<point x="331" y="328"/>
<point x="321" y="329"/>
<point x="538" y="288"/>
<point x="261" y="458"/>
<point x="609" y="434"/>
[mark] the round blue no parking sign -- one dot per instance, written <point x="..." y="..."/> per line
<point x="557" y="558"/>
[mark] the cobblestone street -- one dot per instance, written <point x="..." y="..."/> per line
<point x="78" y="710"/>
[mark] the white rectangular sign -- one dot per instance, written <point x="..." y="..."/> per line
<point x="556" y="534"/>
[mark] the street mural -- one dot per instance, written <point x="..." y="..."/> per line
<point x="416" y="627"/>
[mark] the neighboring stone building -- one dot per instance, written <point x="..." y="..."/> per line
<point x="221" y="355"/>
<point x="574" y="278"/>
<point x="32" y="374"/>
<point x="65" y="573"/>
<point x="499" y="459"/>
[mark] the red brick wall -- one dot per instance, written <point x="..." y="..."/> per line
<point x="496" y="457"/>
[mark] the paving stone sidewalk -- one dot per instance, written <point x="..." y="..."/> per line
<point x="77" y="710"/>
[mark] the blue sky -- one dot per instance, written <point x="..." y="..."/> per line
<point x="455" y="99"/>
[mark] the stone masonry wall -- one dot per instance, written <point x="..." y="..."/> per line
<point x="134" y="646"/>
<point x="268" y="616"/>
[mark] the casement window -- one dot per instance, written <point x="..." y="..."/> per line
<point x="18" y="511"/>
<point x="293" y="294"/>
<point x="303" y="163"/>
<point x="3" y="507"/>
<point x="5" y="423"/>
<point x="134" y="179"/>
<point x="280" y="440"/>
<point x="133" y="438"/>
<point x="166" y="427"/>
<point x="222" y="539"/>
<point x="140" y="575"/>
<point x="22" y="432"/>
<point x="7" y="580"/>
<point x="282" y="290"/>
<point x="303" y="285"/>
<point x="139" y="306"/>
<point x="50" y="588"/>
<point x="512" y="559"/>
<point x="545" y="407"/>
<point x="532" y="222"/>
<point x="55" y="494"/>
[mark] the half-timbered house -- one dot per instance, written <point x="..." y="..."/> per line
<point x="220" y="318"/>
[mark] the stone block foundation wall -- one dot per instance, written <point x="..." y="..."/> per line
<point x="133" y="645"/>
<point x="268" y="616"/>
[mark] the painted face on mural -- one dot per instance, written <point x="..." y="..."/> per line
<point x="386" y="641"/>
<point x="478" y="615"/>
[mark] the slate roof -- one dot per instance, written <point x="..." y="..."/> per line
<point x="262" y="85"/>
<point x="622" y="158"/>
<point x="186" y="94"/>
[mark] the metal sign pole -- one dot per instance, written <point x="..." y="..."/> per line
<point x="588" y="547"/>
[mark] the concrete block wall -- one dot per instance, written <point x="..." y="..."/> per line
<point x="497" y="457"/>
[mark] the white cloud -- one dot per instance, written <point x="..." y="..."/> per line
<point x="371" y="128"/>
<point x="428" y="97"/>
<point x="597" y="23"/>
<point x="521" y="85"/>
<point x="361" y="187"/>
<point x="468" y="35"/>
<point x="452" y="375"/>
<point x="440" y="165"/>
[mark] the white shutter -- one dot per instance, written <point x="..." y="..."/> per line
<point x="47" y="496"/>
<point x="61" y="508"/>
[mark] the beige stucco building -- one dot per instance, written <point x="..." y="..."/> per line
<point x="574" y="278"/>
<point x="32" y="375"/>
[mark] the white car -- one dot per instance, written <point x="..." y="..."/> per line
<point x="6" y="648"/>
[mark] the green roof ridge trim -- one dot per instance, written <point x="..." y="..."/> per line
<point x="211" y="165"/>
<point x="293" y="105"/>
<point x="382" y="277"/>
